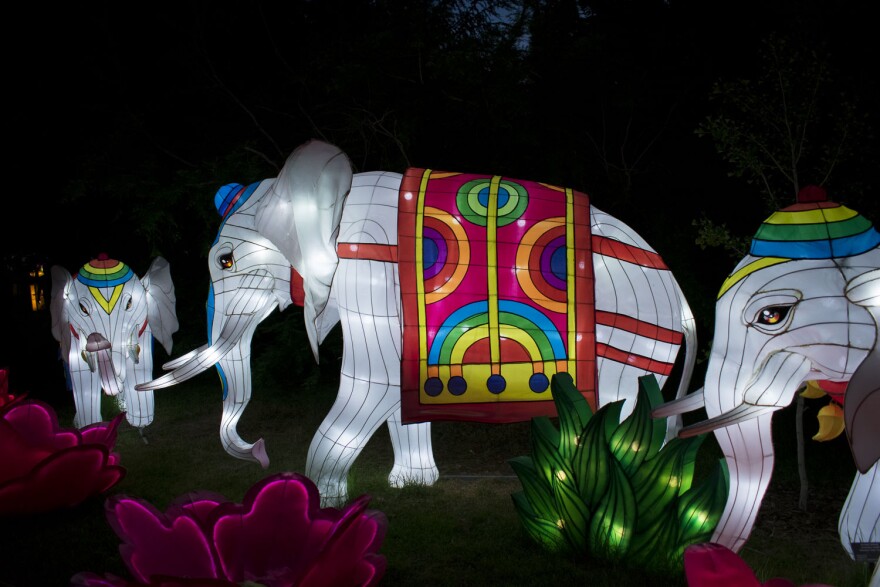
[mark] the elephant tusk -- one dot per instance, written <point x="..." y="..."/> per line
<point x="175" y="363"/>
<point x="739" y="414"/>
<point x="232" y="332"/>
<point x="89" y="358"/>
<point x="689" y="403"/>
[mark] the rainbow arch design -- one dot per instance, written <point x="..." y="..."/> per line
<point x="497" y="296"/>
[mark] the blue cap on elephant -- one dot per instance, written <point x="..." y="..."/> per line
<point x="230" y="197"/>
<point x="814" y="228"/>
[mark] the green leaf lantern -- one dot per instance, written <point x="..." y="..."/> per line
<point x="599" y="487"/>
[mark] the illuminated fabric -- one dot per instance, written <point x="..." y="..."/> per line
<point x="497" y="296"/>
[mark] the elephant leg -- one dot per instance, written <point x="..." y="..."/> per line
<point x="139" y="405"/>
<point x="748" y="450"/>
<point x="369" y="390"/>
<point x="413" y="453"/>
<point x="860" y="518"/>
<point x="360" y="408"/>
<point x="86" y="388"/>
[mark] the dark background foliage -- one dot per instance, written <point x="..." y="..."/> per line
<point x="123" y="122"/>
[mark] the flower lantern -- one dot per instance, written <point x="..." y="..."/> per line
<point x="279" y="536"/>
<point x="45" y="467"/>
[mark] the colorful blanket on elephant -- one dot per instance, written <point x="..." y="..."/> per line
<point x="496" y="280"/>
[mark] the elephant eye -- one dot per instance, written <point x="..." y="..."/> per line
<point x="84" y="309"/>
<point x="772" y="315"/>
<point x="225" y="260"/>
<point x="128" y="304"/>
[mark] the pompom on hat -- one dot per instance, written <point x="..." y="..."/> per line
<point x="813" y="228"/>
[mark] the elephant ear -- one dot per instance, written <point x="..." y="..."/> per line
<point x="61" y="284"/>
<point x="161" y="302"/>
<point x="861" y="406"/>
<point x="300" y="216"/>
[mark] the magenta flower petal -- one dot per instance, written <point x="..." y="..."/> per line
<point x="713" y="565"/>
<point x="172" y="544"/>
<point x="102" y="432"/>
<point x="45" y="467"/>
<point x="64" y="479"/>
<point x="350" y="556"/>
<point x="37" y="423"/>
<point x="279" y="536"/>
<point x="279" y="525"/>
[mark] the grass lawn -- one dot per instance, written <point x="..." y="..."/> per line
<point x="462" y="531"/>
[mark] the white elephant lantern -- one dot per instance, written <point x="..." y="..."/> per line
<point x="802" y="309"/>
<point x="105" y="319"/>
<point x="506" y="281"/>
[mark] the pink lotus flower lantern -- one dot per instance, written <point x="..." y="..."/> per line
<point x="712" y="565"/>
<point x="278" y="537"/>
<point x="44" y="467"/>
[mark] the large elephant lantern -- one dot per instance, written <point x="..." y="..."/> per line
<point x="334" y="241"/>
<point x="802" y="309"/>
<point x="105" y="319"/>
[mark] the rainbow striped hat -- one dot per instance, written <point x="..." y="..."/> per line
<point x="105" y="274"/>
<point x="814" y="228"/>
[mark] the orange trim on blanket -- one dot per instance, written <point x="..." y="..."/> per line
<point x="367" y="251"/>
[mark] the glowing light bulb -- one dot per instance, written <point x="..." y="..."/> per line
<point x="560" y="475"/>
<point x="635" y="446"/>
<point x="674" y="481"/>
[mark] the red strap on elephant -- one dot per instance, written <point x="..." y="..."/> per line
<point x="297" y="293"/>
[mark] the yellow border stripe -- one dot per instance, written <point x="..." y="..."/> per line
<point x="570" y="279"/>
<point x="492" y="270"/>
<point x="420" y="270"/>
<point x="749" y="269"/>
<point x="818" y="216"/>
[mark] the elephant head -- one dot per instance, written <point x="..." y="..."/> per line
<point x="105" y="319"/>
<point x="801" y="307"/>
<point x="275" y="246"/>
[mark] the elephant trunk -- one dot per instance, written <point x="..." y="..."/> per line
<point x="748" y="450"/>
<point x="99" y="356"/>
<point x="235" y="373"/>
<point x="229" y="350"/>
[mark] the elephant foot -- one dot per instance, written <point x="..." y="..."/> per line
<point x="401" y="476"/>
<point x="333" y="494"/>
